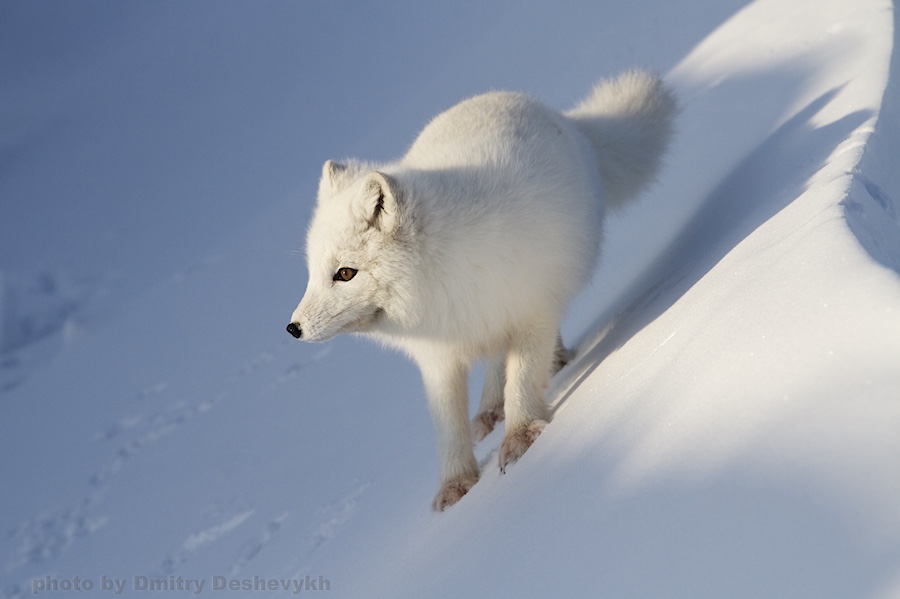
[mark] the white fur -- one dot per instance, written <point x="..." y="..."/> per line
<point x="473" y="243"/>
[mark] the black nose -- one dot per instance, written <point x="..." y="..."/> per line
<point x="294" y="330"/>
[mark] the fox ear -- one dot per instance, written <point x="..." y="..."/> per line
<point x="383" y="202"/>
<point x="331" y="170"/>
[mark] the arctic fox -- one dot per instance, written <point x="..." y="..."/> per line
<point x="472" y="244"/>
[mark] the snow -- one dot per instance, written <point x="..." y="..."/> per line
<point x="728" y="429"/>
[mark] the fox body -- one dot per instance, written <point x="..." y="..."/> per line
<point x="472" y="244"/>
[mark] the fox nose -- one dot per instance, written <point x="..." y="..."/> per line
<point x="294" y="330"/>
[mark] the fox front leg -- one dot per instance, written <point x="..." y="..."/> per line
<point x="528" y="366"/>
<point x="446" y="385"/>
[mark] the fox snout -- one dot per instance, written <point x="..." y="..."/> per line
<point x="295" y="330"/>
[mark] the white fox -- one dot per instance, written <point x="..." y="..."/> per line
<point x="472" y="244"/>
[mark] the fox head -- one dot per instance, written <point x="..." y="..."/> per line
<point x="357" y="254"/>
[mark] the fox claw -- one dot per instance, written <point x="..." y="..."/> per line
<point x="452" y="492"/>
<point x="517" y="442"/>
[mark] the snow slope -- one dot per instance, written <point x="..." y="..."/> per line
<point x="729" y="428"/>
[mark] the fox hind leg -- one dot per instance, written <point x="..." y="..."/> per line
<point x="490" y="410"/>
<point x="561" y="355"/>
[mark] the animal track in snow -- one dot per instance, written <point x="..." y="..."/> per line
<point x="198" y="540"/>
<point x="257" y="543"/>
<point x="151" y="391"/>
<point x="334" y="516"/>
<point x="37" y="314"/>
<point x="152" y="428"/>
<point x="294" y="369"/>
<point x="50" y="534"/>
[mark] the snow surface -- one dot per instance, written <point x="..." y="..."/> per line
<point x="728" y="429"/>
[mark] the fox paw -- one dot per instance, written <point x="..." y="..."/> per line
<point x="484" y="423"/>
<point x="516" y="442"/>
<point x="561" y="357"/>
<point x="452" y="492"/>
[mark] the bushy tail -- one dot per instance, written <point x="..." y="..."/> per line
<point x="629" y="122"/>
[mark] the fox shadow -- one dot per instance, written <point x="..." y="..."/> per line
<point x="767" y="180"/>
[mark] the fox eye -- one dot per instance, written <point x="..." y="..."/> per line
<point x="344" y="274"/>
